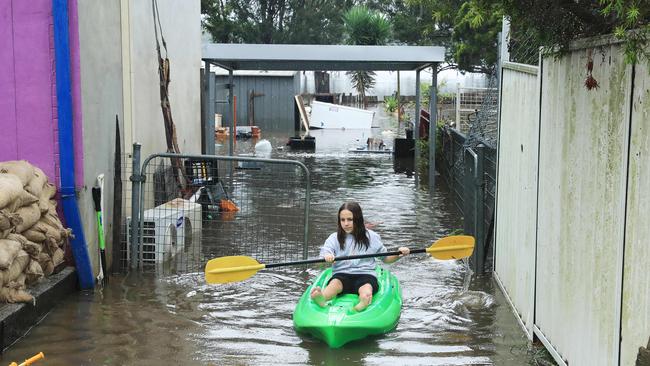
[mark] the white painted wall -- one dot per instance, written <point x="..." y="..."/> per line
<point x="516" y="206"/>
<point x="636" y="282"/>
<point x="181" y="26"/>
<point x="101" y="101"/>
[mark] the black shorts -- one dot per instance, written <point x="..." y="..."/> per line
<point x="352" y="282"/>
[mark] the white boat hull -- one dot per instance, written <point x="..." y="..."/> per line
<point x="334" y="116"/>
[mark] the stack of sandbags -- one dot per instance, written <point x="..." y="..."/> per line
<point x="32" y="237"/>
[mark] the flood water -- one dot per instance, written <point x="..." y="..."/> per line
<point x="449" y="317"/>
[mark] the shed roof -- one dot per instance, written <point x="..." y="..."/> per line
<point x="320" y="57"/>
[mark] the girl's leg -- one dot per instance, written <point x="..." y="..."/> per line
<point x="365" y="297"/>
<point x="320" y="297"/>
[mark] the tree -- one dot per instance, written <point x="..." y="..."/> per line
<point x="365" y="27"/>
<point x="555" y="23"/>
<point x="275" y="21"/>
<point x="466" y="28"/>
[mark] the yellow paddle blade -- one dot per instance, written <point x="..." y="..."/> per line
<point x="231" y="269"/>
<point x="452" y="247"/>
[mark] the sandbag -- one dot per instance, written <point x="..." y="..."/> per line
<point x="30" y="216"/>
<point x="57" y="257"/>
<point x="10" y="188"/>
<point x="52" y="220"/>
<point x="11" y="295"/>
<point x="50" y="246"/>
<point x="45" y="198"/>
<point x="16" y="269"/>
<point x="30" y="247"/>
<point x="33" y="272"/>
<point x="46" y="263"/>
<point x="20" y="168"/>
<point x="35" y="185"/>
<point x="8" y="251"/>
<point x="34" y="235"/>
<point x="9" y="220"/>
<point x="22" y="200"/>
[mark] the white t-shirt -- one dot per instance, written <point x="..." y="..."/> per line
<point x="354" y="266"/>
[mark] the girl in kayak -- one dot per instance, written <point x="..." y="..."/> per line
<point x="358" y="275"/>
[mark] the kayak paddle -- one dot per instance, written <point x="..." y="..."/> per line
<point x="239" y="268"/>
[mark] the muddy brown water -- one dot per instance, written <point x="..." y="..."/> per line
<point x="449" y="317"/>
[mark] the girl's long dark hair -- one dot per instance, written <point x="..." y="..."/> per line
<point x="359" y="232"/>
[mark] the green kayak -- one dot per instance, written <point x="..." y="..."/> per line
<point x="337" y="323"/>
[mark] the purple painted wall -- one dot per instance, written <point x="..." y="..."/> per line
<point x="28" y="122"/>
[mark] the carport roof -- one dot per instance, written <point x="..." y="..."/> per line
<point x="321" y="57"/>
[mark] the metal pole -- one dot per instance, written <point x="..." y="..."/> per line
<point x="209" y="109"/>
<point x="433" y="125"/>
<point x="231" y="112"/>
<point x="416" y="127"/>
<point x="305" y="246"/>
<point x="479" y="184"/>
<point x="457" y="127"/>
<point x="136" y="179"/>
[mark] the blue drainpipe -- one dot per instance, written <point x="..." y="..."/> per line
<point x="64" y="113"/>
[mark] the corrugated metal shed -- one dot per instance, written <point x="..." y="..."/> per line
<point x="272" y="108"/>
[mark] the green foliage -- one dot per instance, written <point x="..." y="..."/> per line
<point x="466" y="28"/>
<point x="390" y="104"/>
<point x="365" y="27"/>
<point x="555" y="24"/>
<point x="275" y="21"/>
<point x="423" y="145"/>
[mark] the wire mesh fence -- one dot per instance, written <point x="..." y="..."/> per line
<point x="523" y="46"/>
<point x="219" y="206"/>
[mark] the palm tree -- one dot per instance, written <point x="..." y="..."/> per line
<point x="365" y="27"/>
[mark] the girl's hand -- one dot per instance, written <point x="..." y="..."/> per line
<point x="404" y="250"/>
<point x="329" y="258"/>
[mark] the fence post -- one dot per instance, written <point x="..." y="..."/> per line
<point x="136" y="179"/>
<point x="457" y="107"/>
<point x="469" y="193"/>
<point x="479" y="196"/>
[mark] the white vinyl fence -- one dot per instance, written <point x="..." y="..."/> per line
<point x="572" y="251"/>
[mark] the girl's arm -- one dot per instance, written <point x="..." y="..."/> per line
<point x="394" y="258"/>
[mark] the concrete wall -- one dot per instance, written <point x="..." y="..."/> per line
<point x="181" y="27"/>
<point x="517" y="189"/>
<point x="635" y="321"/>
<point x="101" y="101"/>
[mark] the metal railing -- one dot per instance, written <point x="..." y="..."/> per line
<point x="216" y="206"/>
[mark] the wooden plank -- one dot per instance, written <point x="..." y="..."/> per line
<point x="303" y="112"/>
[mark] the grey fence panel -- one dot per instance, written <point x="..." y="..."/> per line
<point x="470" y="173"/>
<point x="216" y="206"/>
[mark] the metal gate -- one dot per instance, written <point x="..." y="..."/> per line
<point x="193" y="208"/>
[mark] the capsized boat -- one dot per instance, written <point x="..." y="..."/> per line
<point x="338" y="323"/>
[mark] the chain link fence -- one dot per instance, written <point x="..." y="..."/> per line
<point x="523" y="46"/>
